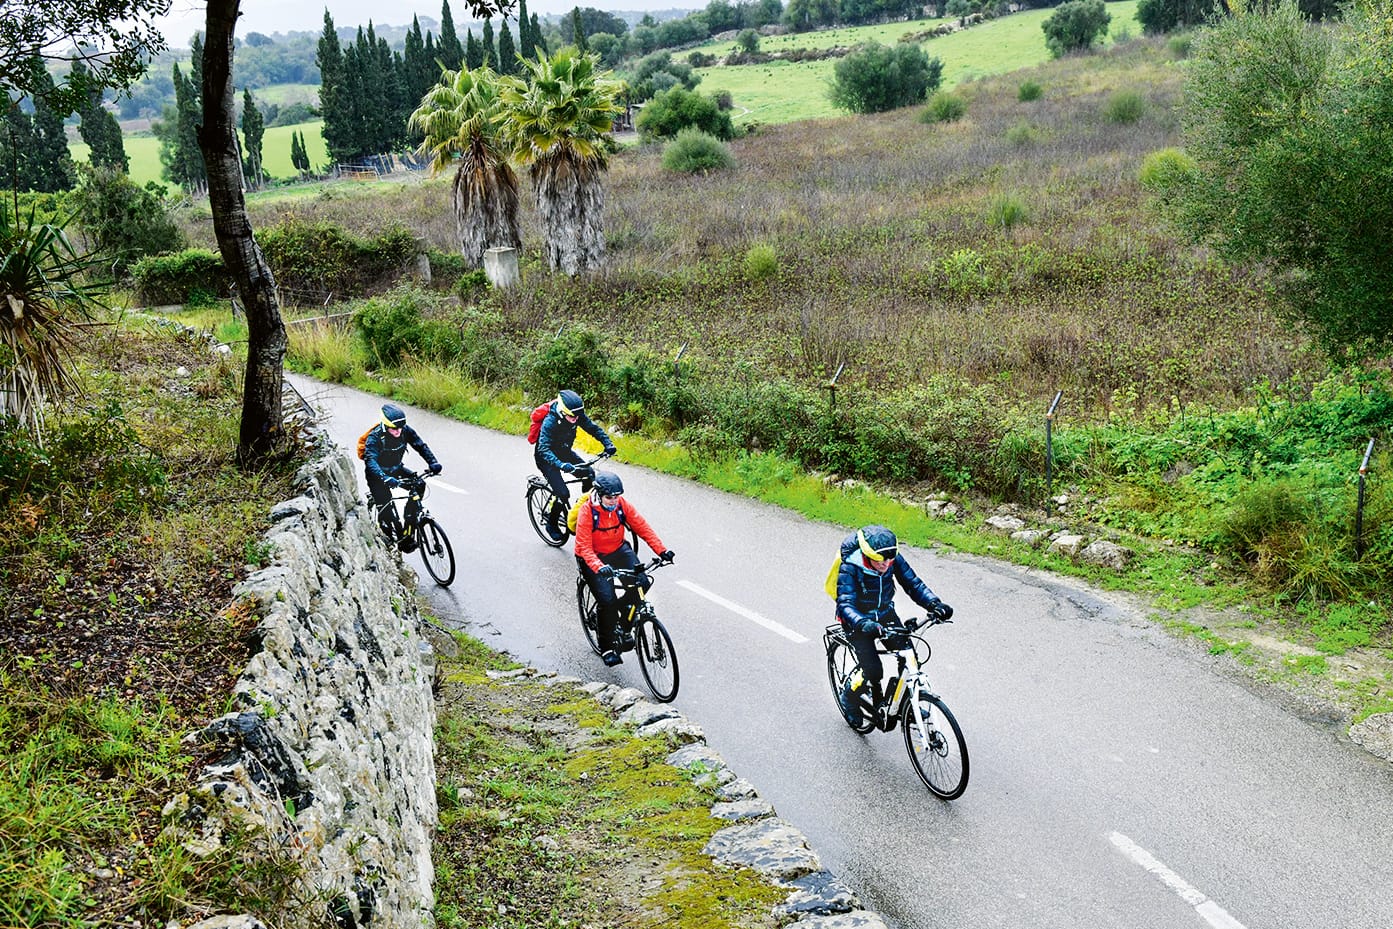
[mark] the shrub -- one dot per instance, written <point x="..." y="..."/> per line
<point x="875" y="78"/>
<point x="1164" y="172"/>
<point x="174" y="278"/>
<point x="696" y="152"/>
<point x="1075" y="26"/>
<point x="391" y="326"/>
<point x="321" y="260"/>
<point x="761" y="262"/>
<point x="673" y="110"/>
<point x="1124" y="107"/>
<point x="124" y="221"/>
<point x="1179" y="45"/>
<point x="1029" y="91"/>
<point x="965" y="271"/>
<point x="1007" y="211"/>
<point x="944" y="108"/>
<point x="1022" y="133"/>
<point x="576" y="360"/>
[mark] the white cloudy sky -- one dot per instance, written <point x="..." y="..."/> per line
<point x="268" y="16"/>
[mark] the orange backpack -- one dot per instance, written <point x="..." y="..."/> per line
<point x="535" y="430"/>
<point x="363" y="444"/>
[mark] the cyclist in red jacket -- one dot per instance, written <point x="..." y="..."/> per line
<point x="601" y="523"/>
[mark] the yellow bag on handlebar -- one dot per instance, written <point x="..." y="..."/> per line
<point x="573" y="513"/>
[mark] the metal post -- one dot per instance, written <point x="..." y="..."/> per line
<point x="676" y="369"/>
<point x="1359" y="507"/>
<point x="558" y="330"/>
<point x="1049" y="445"/>
<point x="832" y="387"/>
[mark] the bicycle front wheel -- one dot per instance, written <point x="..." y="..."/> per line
<point x="540" y="501"/>
<point x="936" y="746"/>
<point x="436" y="552"/>
<point x="589" y="614"/>
<point x="841" y="662"/>
<point x="657" y="659"/>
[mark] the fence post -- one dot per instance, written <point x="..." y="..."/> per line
<point x="831" y="387"/>
<point x="1359" y="507"/>
<point x="1049" y="445"/>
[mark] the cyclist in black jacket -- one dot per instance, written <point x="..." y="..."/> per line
<point x="554" y="453"/>
<point x="870" y="566"/>
<point x="382" y="454"/>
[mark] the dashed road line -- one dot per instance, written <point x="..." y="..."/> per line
<point x="1208" y="910"/>
<point x="751" y="615"/>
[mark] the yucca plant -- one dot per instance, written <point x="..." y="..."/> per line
<point x="558" y="119"/>
<point x="460" y="119"/>
<point x="45" y="298"/>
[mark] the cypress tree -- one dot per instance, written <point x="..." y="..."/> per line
<point x="99" y="128"/>
<point x="490" y="53"/>
<point x="253" y="130"/>
<point x="507" y="52"/>
<point x="578" y="31"/>
<point x="525" y="43"/>
<point x="52" y="164"/>
<point x="451" y="52"/>
<point x="432" y="56"/>
<point x="413" y="61"/>
<point x="334" y="95"/>
<point x="473" y="52"/>
<point x="539" y="41"/>
<point x="16" y="148"/>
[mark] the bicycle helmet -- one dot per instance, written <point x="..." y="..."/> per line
<point x="608" y="484"/>
<point x="569" y="403"/>
<point x="393" y="417"/>
<point x="877" y="543"/>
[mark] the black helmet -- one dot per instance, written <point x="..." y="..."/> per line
<point x="608" y="484"/>
<point x="569" y="403"/>
<point x="393" y="417"/>
<point x="877" y="543"/>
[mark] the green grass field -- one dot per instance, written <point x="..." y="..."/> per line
<point x="782" y="92"/>
<point x="144" y="152"/>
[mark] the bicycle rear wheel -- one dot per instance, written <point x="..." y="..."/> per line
<point x="657" y="659"/>
<point x="841" y="662"/>
<point x="540" y="500"/>
<point x="936" y="746"/>
<point x="436" y="552"/>
<point x="589" y="614"/>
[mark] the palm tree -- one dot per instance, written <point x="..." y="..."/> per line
<point x="45" y="298"/>
<point x="460" y="116"/>
<point x="558" y="116"/>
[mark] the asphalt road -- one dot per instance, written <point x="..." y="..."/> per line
<point x="1118" y="779"/>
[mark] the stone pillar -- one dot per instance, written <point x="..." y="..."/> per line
<point x="501" y="265"/>
<point x="422" y="272"/>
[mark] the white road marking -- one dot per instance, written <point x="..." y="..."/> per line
<point x="436" y="482"/>
<point x="1208" y="910"/>
<point x="739" y="610"/>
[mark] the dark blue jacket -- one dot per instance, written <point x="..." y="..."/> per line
<point x="558" y="435"/>
<point x="382" y="453"/>
<point x="865" y="596"/>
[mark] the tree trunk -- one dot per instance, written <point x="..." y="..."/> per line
<point x="261" y="427"/>
<point x="571" y="200"/>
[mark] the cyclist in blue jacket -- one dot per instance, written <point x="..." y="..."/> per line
<point x="554" y="453"/>
<point x="383" y="449"/>
<point x="871" y="564"/>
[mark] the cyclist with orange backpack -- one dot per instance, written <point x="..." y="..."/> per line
<point x="601" y="546"/>
<point x="555" y="437"/>
<point x="382" y="449"/>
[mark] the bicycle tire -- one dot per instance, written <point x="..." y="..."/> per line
<point x="589" y="614"/>
<point x="657" y="658"/>
<point x="436" y="552"/>
<point x="841" y="662"/>
<point x="539" y="501"/>
<point x="942" y="765"/>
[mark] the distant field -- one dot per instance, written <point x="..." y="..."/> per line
<point x="780" y="92"/>
<point x="144" y="151"/>
<point x="282" y="94"/>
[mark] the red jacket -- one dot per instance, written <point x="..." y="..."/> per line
<point x="603" y="536"/>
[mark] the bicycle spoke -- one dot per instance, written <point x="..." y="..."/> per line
<point x="935" y="745"/>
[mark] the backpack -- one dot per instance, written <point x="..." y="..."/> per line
<point x="539" y="414"/>
<point x="574" y="514"/>
<point x="830" y="585"/>
<point x="363" y="444"/>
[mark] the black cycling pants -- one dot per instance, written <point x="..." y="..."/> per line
<point x="605" y="596"/>
<point x="554" y="475"/>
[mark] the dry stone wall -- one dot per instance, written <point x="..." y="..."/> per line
<point x="325" y="765"/>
